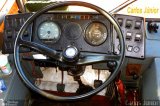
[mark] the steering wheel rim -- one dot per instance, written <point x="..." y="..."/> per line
<point x="18" y="43"/>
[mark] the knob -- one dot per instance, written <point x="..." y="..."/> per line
<point x="111" y="64"/>
<point x="135" y="76"/>
<point x="152" y="27"/>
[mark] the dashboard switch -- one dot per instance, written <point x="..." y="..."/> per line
<point x="18" y="22"/>
<point x="9" y="34"/>
<point x="136" y="49"/>
<point x="128" y="24"/>
<point x="129" y="48"/>
<point x="9" y="23"/>
<point x="120" y="21"/>
<point x="138" y="37"/>
<point x="137" y="25"/>
<point x="128" y="36"/>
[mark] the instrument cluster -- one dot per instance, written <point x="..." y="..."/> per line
<point x="88" y="31"/>
<point x="95" y="33"/>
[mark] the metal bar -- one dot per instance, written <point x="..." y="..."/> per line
<point x="121" y="6"/>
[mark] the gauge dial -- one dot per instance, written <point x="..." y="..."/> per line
<point x="96" y="33"/>
<point x="49" y="31"/>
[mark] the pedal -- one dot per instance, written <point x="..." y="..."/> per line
<point x="97" y="83"/>
<point x="60" y="87"/>
<point x="84" y="89"/>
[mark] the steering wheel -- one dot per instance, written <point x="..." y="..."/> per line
<point x="87" y="59"/>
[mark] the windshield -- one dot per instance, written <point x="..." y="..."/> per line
<point x="143" y="8"/>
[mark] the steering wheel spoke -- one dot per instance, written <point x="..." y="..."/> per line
<point x="42" y="49"/>
<point x="86" y="59"/>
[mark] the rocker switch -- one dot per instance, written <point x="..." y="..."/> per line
<point x="120" y="21"/>
<point x="138" y="37"/>
<point x="128" y="36"/>
<point x="137" y="25"/>
<point x="128" y="24"/>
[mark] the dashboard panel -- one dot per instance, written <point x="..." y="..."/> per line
<point x="13" y="23"/>
<point x="73" y="28"/>
<point x="89" y="32"/>
<point x="134" y="35"/>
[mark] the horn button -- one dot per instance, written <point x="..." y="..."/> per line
<point x="70" y="54"/>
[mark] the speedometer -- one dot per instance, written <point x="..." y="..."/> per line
<point x="96" y="33"/>
<point x="49" y="31"/>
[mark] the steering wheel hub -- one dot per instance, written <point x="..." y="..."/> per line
<point x="70" y="54"/>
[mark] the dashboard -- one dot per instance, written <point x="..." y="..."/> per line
<point x="88" y="32"/>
